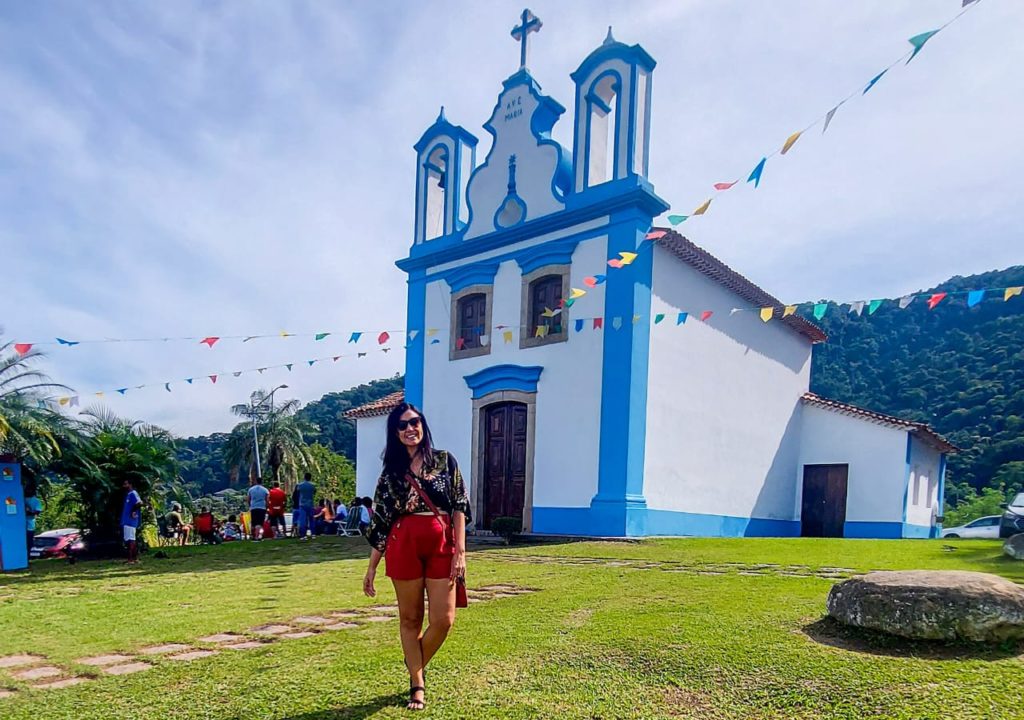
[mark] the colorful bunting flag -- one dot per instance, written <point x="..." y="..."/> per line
<point x="616" y="322"/>
<point x="636" y="319"/>
<point x="828" y="117"/>
<point x="789" y="310"/>
<point x="188" y="380"/>
<point x="383" y="338"/>
<point x="658" y="318"/>
<point x="1012" y="292"/>
<point x="935" y="300"/>
<point x="460" y="343"/>
<point x="755" y="174"/>
<point x="69" y="343"/>
<point x="918" y="42"/>
<point x="627" y="257"/>
<point x="819" y="310"/>
<point x="576" y="293"/>
<point x="385" y="350"/>
<point x="766" y="313"/>
<point x="579" y="325"/>
<point x="213" y="379"/>
<point x="598" y="323"/>
<point x="238" y="373"/>
<point x="541" y="331"/>
<point x="251" y="337"/>
<point x="681" y="318"/>
<point x="600" y="278"/>
<point x="22" y="348"/>
<point x="209" y="341"/>
<point x="260" y="370"/>
<point x="63" y="401"/>
<point x="485" y="340"/>
<point x="167" y="387"/>
<point x="677" y="219"/>
<point x="615" y="263"/>
<point x="724" y="186"/>
<point x="968" y="2"/>
<point x="974" y="297"/>
<point x="285" y="333"/>
<point x="320" y="336"/>
<point x="570" y="302"/>
<point x="354" y="337"/>
<point x="289" y="366"/>
<point x="99" y="394"/>
<point x="435" y="341"/>
<point x="590" y="282"/>
<point x="549" y="313"/>
<point x="704" y="316"/>
<point x="122" y="390"/>
<point x="873" y="80"/>
<point x="790" y="141"/>
<point x="310" y="362"/>
<point x="655" y="234"/>
<point x="507" y="335"/>
<point x="905" y="301"/>
<point x="336" y="358"/>
<point x="358" y="355"/>
<point x="874" y="305"/>
<point x="431" y="332"/>
<point x="703" y="208"/>
<point x="734" y="311"/>
<point x="413" y="334"/>
<point x="857" y="307"/>
<point x="74" y="401"/>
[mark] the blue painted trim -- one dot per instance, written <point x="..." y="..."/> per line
<point x="443" y="128"/>
<point x="625" y="361"/>
<point x="600" y="201"/>
<point x="13" y="543"/>
<point x="504" y="377"/>
<point x="478" y="273"/>
<point x="906" y="478"/>
<point x="509" y="198"/>
<point x="942" y="495"/>
<point x="631" y="55"/>
<point x="414" y="354"/>
<point x="586" y="522"/>
<point x="555" y="252"/>
<point x="885" y="530"/>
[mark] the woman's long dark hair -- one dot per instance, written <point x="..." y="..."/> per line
<point x="396" y="456"/>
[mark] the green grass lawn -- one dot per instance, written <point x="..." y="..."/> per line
<point x="656" y="629"/>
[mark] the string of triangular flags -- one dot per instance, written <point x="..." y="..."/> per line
<point x="71" y="401"/>
<point x="917" y="43"/>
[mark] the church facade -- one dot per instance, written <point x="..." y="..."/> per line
<point x="617" y="412"/>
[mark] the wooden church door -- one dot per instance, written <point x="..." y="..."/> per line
<point x="823" y="511"/>
<point x="504" y="461"/>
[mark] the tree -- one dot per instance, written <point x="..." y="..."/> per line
<point x="31" y="431"/>
<point x="986" y="503"/>
<point x="113" y="450"/>
<point x="282" y="444"/>
<point x="334" y="475"/>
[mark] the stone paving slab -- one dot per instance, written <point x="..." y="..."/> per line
<point x="192" y="655"/>
<point x="345" y="614"/>
<point x="13" y="661"/>
<point x="164" y="649"/>
<point x="384" y="609"/>
<point x="6" y="694"/>
<point x="312" y="620"/>
<point x="58" y="684"/>
<point x="272" y="629"/>
<point x="247" y="645"/>
<point x="298" y="635"/>
<point x="341" y="626"/>
<point x="127" y="668"/>
<point x="104" y="660"/>
<point x="222" y="638"/>
<point x="379" y="618"/>
<point x="38" y="673"/>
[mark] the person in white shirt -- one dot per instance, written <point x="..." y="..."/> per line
<point x="257" y="508"/>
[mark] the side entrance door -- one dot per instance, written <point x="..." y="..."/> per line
<point x="504" y="461"/>
<point x="823" y="513"/>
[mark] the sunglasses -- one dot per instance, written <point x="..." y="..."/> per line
<point x="411" y="422"/>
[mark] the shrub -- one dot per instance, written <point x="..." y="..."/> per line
<point x="506" y="527"/>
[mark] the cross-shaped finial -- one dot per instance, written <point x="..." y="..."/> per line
<point x="531" y="24"/>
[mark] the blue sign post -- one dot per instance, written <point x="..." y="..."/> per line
<point x="13" y="536"/>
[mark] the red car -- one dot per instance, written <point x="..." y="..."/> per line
<point x="55" y="543"/>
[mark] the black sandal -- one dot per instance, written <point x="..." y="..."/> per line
<point x="415" y="704"/>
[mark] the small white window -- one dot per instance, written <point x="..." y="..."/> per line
<point x="602" y="102"/>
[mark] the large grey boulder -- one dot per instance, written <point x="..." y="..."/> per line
<point x="1014" y="546"/>
<point x="931" y="605"/>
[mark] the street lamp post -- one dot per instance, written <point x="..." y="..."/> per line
<point x="255" y="437"/>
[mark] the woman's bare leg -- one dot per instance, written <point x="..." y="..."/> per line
<point x="441" y="594"/>
<point x="410" y="618"/>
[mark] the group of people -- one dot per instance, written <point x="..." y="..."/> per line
<point x="310" y="517"/>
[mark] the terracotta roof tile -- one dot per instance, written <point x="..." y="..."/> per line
<point x="922" y="430"/>
<point x="381" y="406"/>
<point x="707" y="264"/>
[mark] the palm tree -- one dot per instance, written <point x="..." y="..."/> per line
<point x="31" y="431"/>
<point x="282" y="440"/>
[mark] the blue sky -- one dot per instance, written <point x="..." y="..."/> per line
<point x="204" y="168"/>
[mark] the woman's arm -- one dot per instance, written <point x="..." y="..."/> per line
<point x="459" y="558"/>
<point x="371" y="573"/>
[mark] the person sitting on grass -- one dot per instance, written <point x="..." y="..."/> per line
<point x="365" y="513"/>
<point x="176" y="523"/>
<point x="340" y="511"/>
<point x="205" y="525"/>
<point x="232" y="530"/>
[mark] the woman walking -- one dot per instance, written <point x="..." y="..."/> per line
<point x="419" y="528"/>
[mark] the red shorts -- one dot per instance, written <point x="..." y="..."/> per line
<point x="418" y="547"/>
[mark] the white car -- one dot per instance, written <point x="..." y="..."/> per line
<point x="983" y="527"/>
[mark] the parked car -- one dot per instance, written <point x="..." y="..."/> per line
<point x="55" y="543"/>
<point x="983" y="527"/>
<point x="1012" y="521"/>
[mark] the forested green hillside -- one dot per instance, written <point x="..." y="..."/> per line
<point x="959" y="369"/>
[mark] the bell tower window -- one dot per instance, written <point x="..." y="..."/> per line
<point x="436" y="174"/>
<point x="603" y="132"/>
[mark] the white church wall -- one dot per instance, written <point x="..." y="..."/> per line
<point x="369" y="446"/>
<point x="568" y="405"/>
<point x="922" y="488"/>
<point x="877" y="459"/>
<point x="722" y="411"/>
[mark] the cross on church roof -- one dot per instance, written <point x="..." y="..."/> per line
<point x="531" y="24"/>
